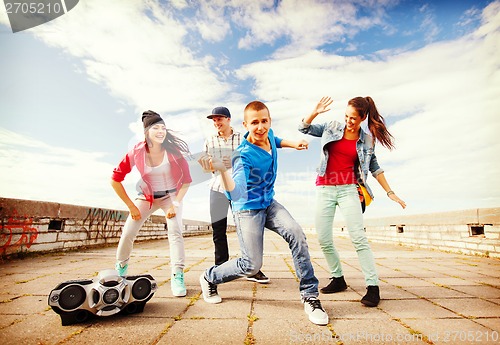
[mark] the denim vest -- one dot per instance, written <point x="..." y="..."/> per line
<point x="365" y="146"/>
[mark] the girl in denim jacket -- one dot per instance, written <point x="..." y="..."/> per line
<point x="347" y="156"/>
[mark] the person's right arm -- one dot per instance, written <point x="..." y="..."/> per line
<point x="214" y="164"/>
<point x="122" y="194"/>
<point x="118" y="176"/>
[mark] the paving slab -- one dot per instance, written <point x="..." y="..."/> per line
<point x="453" y="331"/>
<point x="436" y="292"/>
<point x="291" y="331"/>
<point x="122" y="330"/>
<point x="369" y="332"/>
<point x="469" y="307"/>
<point x="222" y="331"/>
<point x="425" y="293"/>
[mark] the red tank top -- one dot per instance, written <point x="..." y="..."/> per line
<point x="340" y="166"/>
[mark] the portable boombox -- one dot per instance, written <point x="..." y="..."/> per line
<point x="108" y="294"/>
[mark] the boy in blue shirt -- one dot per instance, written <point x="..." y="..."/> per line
<point x="251" y="191"/>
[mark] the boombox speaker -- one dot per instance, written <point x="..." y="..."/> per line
<point x="108" y="294"/>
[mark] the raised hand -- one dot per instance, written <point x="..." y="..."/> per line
<point x="323" y="105"/>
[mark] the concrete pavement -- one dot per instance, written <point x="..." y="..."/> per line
<point x="428" y="297"/>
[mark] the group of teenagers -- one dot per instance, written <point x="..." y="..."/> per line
<point x="244" y="168"/>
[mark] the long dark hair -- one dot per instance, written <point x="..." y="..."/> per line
<point x="172" y="144"/>
<point x="365" y="106"/>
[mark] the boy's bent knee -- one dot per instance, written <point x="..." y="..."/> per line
<point x="250" y="268"/>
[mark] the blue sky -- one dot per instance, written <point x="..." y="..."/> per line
<point x="72" y="91"/>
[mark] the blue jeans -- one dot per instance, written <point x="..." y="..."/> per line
<point x="346" y="197"/>
<point x="250" y="226"/>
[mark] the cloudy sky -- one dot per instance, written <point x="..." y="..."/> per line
<point x="72" y="91"/>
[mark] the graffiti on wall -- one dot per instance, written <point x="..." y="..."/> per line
<point x="17" y="232"/>
<point x="102" y="223"/>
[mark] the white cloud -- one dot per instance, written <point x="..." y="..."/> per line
<point x="179" y="4"/>
<point x="212" y="22"/>
<point x="137" y="50"/>
<point x="31" y="169"/>
<point x="304" y="24"/>
<point x="428" y="25"/>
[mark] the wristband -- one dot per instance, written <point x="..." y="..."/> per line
<point x="390" y="192"/>
<point x="175" y="203"/>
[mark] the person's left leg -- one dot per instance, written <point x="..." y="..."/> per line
<point x="351" y="209"/>
<point x="176" y="244"/>
<point x="280" y="221"/>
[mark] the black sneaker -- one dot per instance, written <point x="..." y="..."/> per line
<point x="372" y="297"/>
<point x="336" y="285"/>
<point x="259" y="277"/>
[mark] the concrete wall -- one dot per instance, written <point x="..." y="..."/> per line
<point x="35" y="226"/>
<point x="448" y="231"/>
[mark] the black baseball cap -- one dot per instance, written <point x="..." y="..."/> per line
<point x="220" y="111"/>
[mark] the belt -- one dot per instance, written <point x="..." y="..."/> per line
<point x="163" y="193"/>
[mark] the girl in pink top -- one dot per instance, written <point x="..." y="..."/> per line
<point x="165" y="181"/>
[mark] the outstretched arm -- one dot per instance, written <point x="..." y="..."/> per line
<point x="320" y="108"/>
<point x="383" y="182"/>
<point x="298" y="145"/>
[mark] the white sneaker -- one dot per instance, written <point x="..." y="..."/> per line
<point x="313" y="308"/>
<point x="209" y="290"/>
